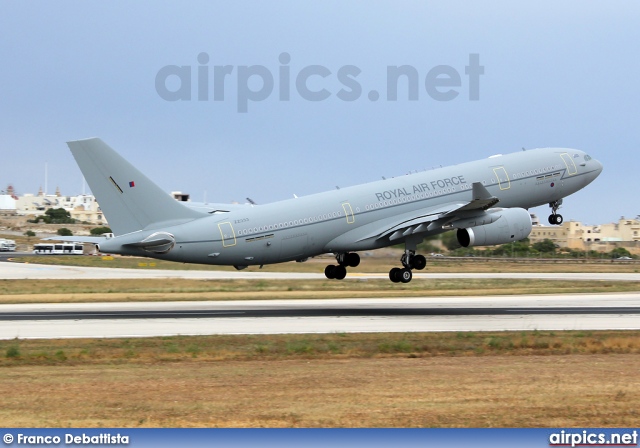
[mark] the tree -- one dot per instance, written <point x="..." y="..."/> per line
<point x="63" y="231"/>
<point x="58" y="216"/>
<point x="515" y="249"/>
<point x="450" y="240"/>
<point x="100" y="230"/>
<point x="29" y="233"/>
<point x="620" y="252"/>
<point x="545" y="246"/>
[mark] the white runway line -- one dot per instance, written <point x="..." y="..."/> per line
<point x="118" y="328"/>
<point x="14" y="271"/>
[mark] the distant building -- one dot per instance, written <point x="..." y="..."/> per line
<point x="602" y="238"/>
<point x="7" y="204"/>
<point x="624" y="230"/>
<point x="8" y="201"/>
<point x="568" y="235"/>
<point x="180" y="196"/>
<point x="83" y="208"/>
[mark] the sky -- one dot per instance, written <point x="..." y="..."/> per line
<point x="305" y="106"/>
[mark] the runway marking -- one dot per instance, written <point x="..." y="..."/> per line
<point x="312" y="312"/>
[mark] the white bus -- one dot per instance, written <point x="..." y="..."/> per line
<point x="58" y="248"/>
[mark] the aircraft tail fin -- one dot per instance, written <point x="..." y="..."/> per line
<point x="128" y="199"/>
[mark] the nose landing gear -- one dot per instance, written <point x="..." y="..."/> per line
<point x="555" y="218"/>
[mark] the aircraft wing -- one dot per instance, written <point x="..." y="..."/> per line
<point x="77" y="239"/>
<point x="454" y="214"/>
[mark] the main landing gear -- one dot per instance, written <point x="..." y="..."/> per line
<point x="348" y="259"/>
<point x="555" y="218"/>
<point x="409" y="261"/>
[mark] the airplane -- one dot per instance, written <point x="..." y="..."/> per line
<point x="147" y="221"/>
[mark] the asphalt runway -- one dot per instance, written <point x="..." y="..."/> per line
<point x="495" y="313"/>
<point x="16" y="271"/>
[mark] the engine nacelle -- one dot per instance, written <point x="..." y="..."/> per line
<point x="513" y="224"/>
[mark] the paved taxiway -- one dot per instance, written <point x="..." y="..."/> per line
<point x="495" y="313"/>
<point x="15" y="271"/>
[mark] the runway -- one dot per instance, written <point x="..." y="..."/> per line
<point x="17" y="271"/>
<point x="495" y="313"/>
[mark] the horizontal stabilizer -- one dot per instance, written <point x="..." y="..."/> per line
<point x="78" y="239"/>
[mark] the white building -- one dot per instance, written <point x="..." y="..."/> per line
<point x="7" y="203"/>
<point x="83" y="207"/>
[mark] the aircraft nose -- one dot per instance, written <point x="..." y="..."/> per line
<point x="595" y="169"/>
<point x="598" y="166"/>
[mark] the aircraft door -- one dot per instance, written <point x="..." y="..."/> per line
<point x="348" y="212"/>
<point x="227" y="234"/>
<point x="503" y="178"/>
<point x="569" y="163"/>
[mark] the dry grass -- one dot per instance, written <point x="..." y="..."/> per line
<point x="378" y="262"/>
<point x="459" y="380"/>
<point x="195" y="349"/>
<point x="57" y="291"/>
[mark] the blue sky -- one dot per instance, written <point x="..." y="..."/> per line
<point x="555" y="74"/>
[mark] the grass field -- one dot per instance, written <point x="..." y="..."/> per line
<point x="525" y="379"/>
<point x="369" y="264"/>
<point x="138" y="290"/>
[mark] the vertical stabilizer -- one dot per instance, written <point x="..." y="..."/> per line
<point x="128" y="199"/>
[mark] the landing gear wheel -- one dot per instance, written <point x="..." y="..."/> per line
<point x="556" y="219"/>
<point x="394" y="275"/>
<point x="329" y="272"/>
<point x="339" y="272"/>
<point x="352" y="259"/>
<point x="405" y="275"/>
<point x="418" y="262"/>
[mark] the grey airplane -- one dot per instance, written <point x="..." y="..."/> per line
<point x="486" y="201"/>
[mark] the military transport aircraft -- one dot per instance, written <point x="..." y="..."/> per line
<point x="147" y="221"/>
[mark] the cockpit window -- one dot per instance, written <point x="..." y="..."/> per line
<point x="587" y="157"/>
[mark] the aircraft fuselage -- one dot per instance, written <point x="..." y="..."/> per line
<point x="363" y="217"/>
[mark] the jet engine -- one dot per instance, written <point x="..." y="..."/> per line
<point x="513" y="224"/>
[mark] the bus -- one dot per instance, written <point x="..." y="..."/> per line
<point x="59" y="248"/>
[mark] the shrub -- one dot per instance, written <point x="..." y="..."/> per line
<point x="100" y="230"/>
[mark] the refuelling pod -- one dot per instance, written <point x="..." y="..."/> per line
<point x="157" y="243"/>
<point x="513" y="224"/>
